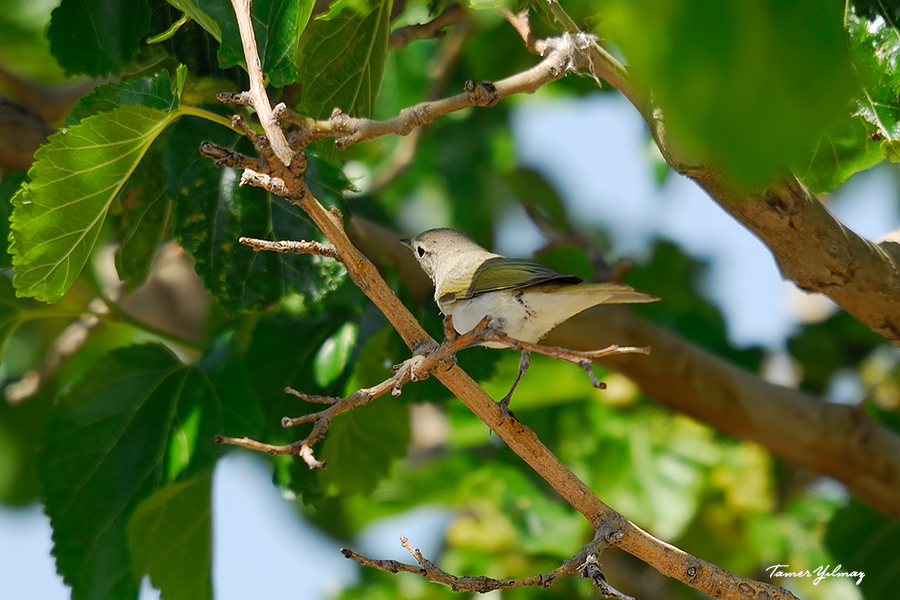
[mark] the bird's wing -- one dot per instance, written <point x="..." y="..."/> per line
<point x="503" y="273"/>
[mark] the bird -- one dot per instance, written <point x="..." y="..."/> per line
<point x="523" y="299"/>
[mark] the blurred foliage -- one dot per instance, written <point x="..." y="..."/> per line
<point x="113" y="431"/>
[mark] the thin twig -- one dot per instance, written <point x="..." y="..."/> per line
<point x="434" y="28"/>
<point x="414" y="369"/>
<point x="484" y="333"/>
<point x="410" y="370"/>
<point x="585" y="562"/>
<point x="521" y="22"/>
<point x="291" y="247"/>
<point x="439" y="69"/>
<point x="566" y="53"/>
<point x="258" y="98"/>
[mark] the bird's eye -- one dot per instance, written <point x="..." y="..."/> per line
<point x="421" y="251"/>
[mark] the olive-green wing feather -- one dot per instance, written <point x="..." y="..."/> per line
<point x="503" y="273"/>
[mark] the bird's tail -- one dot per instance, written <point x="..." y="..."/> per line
<point x="608" y="293"/>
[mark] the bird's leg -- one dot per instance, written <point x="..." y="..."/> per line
<point x="524" y="363"/>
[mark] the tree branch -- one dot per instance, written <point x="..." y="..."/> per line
<point x="258" y="98"/>
<point x="585" y="561"/>
<point x="565" y="53"/>
<point x="834" y="439"/>
<point x="669" y="560"/>
<point x="291" y="247"/>
<point x="810" y="246"/>
<point x="414" y="369"/>
<point x="402" y="36"/>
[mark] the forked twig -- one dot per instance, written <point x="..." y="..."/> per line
<point x="586" y="562"/>
<point x="414" y="369"/>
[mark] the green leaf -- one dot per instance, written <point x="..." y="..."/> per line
<point x="277" y="26"/>
<point x="891" y="150"/>
<point x="212" y="211"/>
<point x="853" y="144"/>
<point x="154" y="91"/>
<point x="862" y="539"/>
<point x="230" y="376"/>
<point x="206" y="14"/>
<point x="148" y="215"/>
<point x="363" y="444"/>
<point x="136" y="419"/>
<point x="58" y="215"/>
<point x="846" y="149"/>
<point x="170" y="538"/>
<point x="875" y="45"/>
<point x="334" y="354"/>
<point x="9" y="184"/>
<point x="97" y="37"/>
<point x="12" y="312"/>
<point x="342" y="61"/>
<point x="754" y="105"/>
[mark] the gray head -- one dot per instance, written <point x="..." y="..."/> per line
<point x="446" y="254"/>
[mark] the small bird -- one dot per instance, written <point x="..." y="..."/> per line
<point x="523" y="299"/>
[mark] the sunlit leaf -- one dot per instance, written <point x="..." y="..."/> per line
<point x="333" y="355"/>
<point x="844" y="150"/>
<point x="57" y="217"/>
<point x="875" y="44"/>
<point x="853" y="144"/>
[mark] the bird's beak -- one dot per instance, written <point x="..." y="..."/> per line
<point x="406" y="242"/>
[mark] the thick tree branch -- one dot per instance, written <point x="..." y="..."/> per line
<point x="834" y="439"/>
<point x="815" y="250"/>
<point x="811" y="247"/>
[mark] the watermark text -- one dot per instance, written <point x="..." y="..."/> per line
<point x="819" y="573"/>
